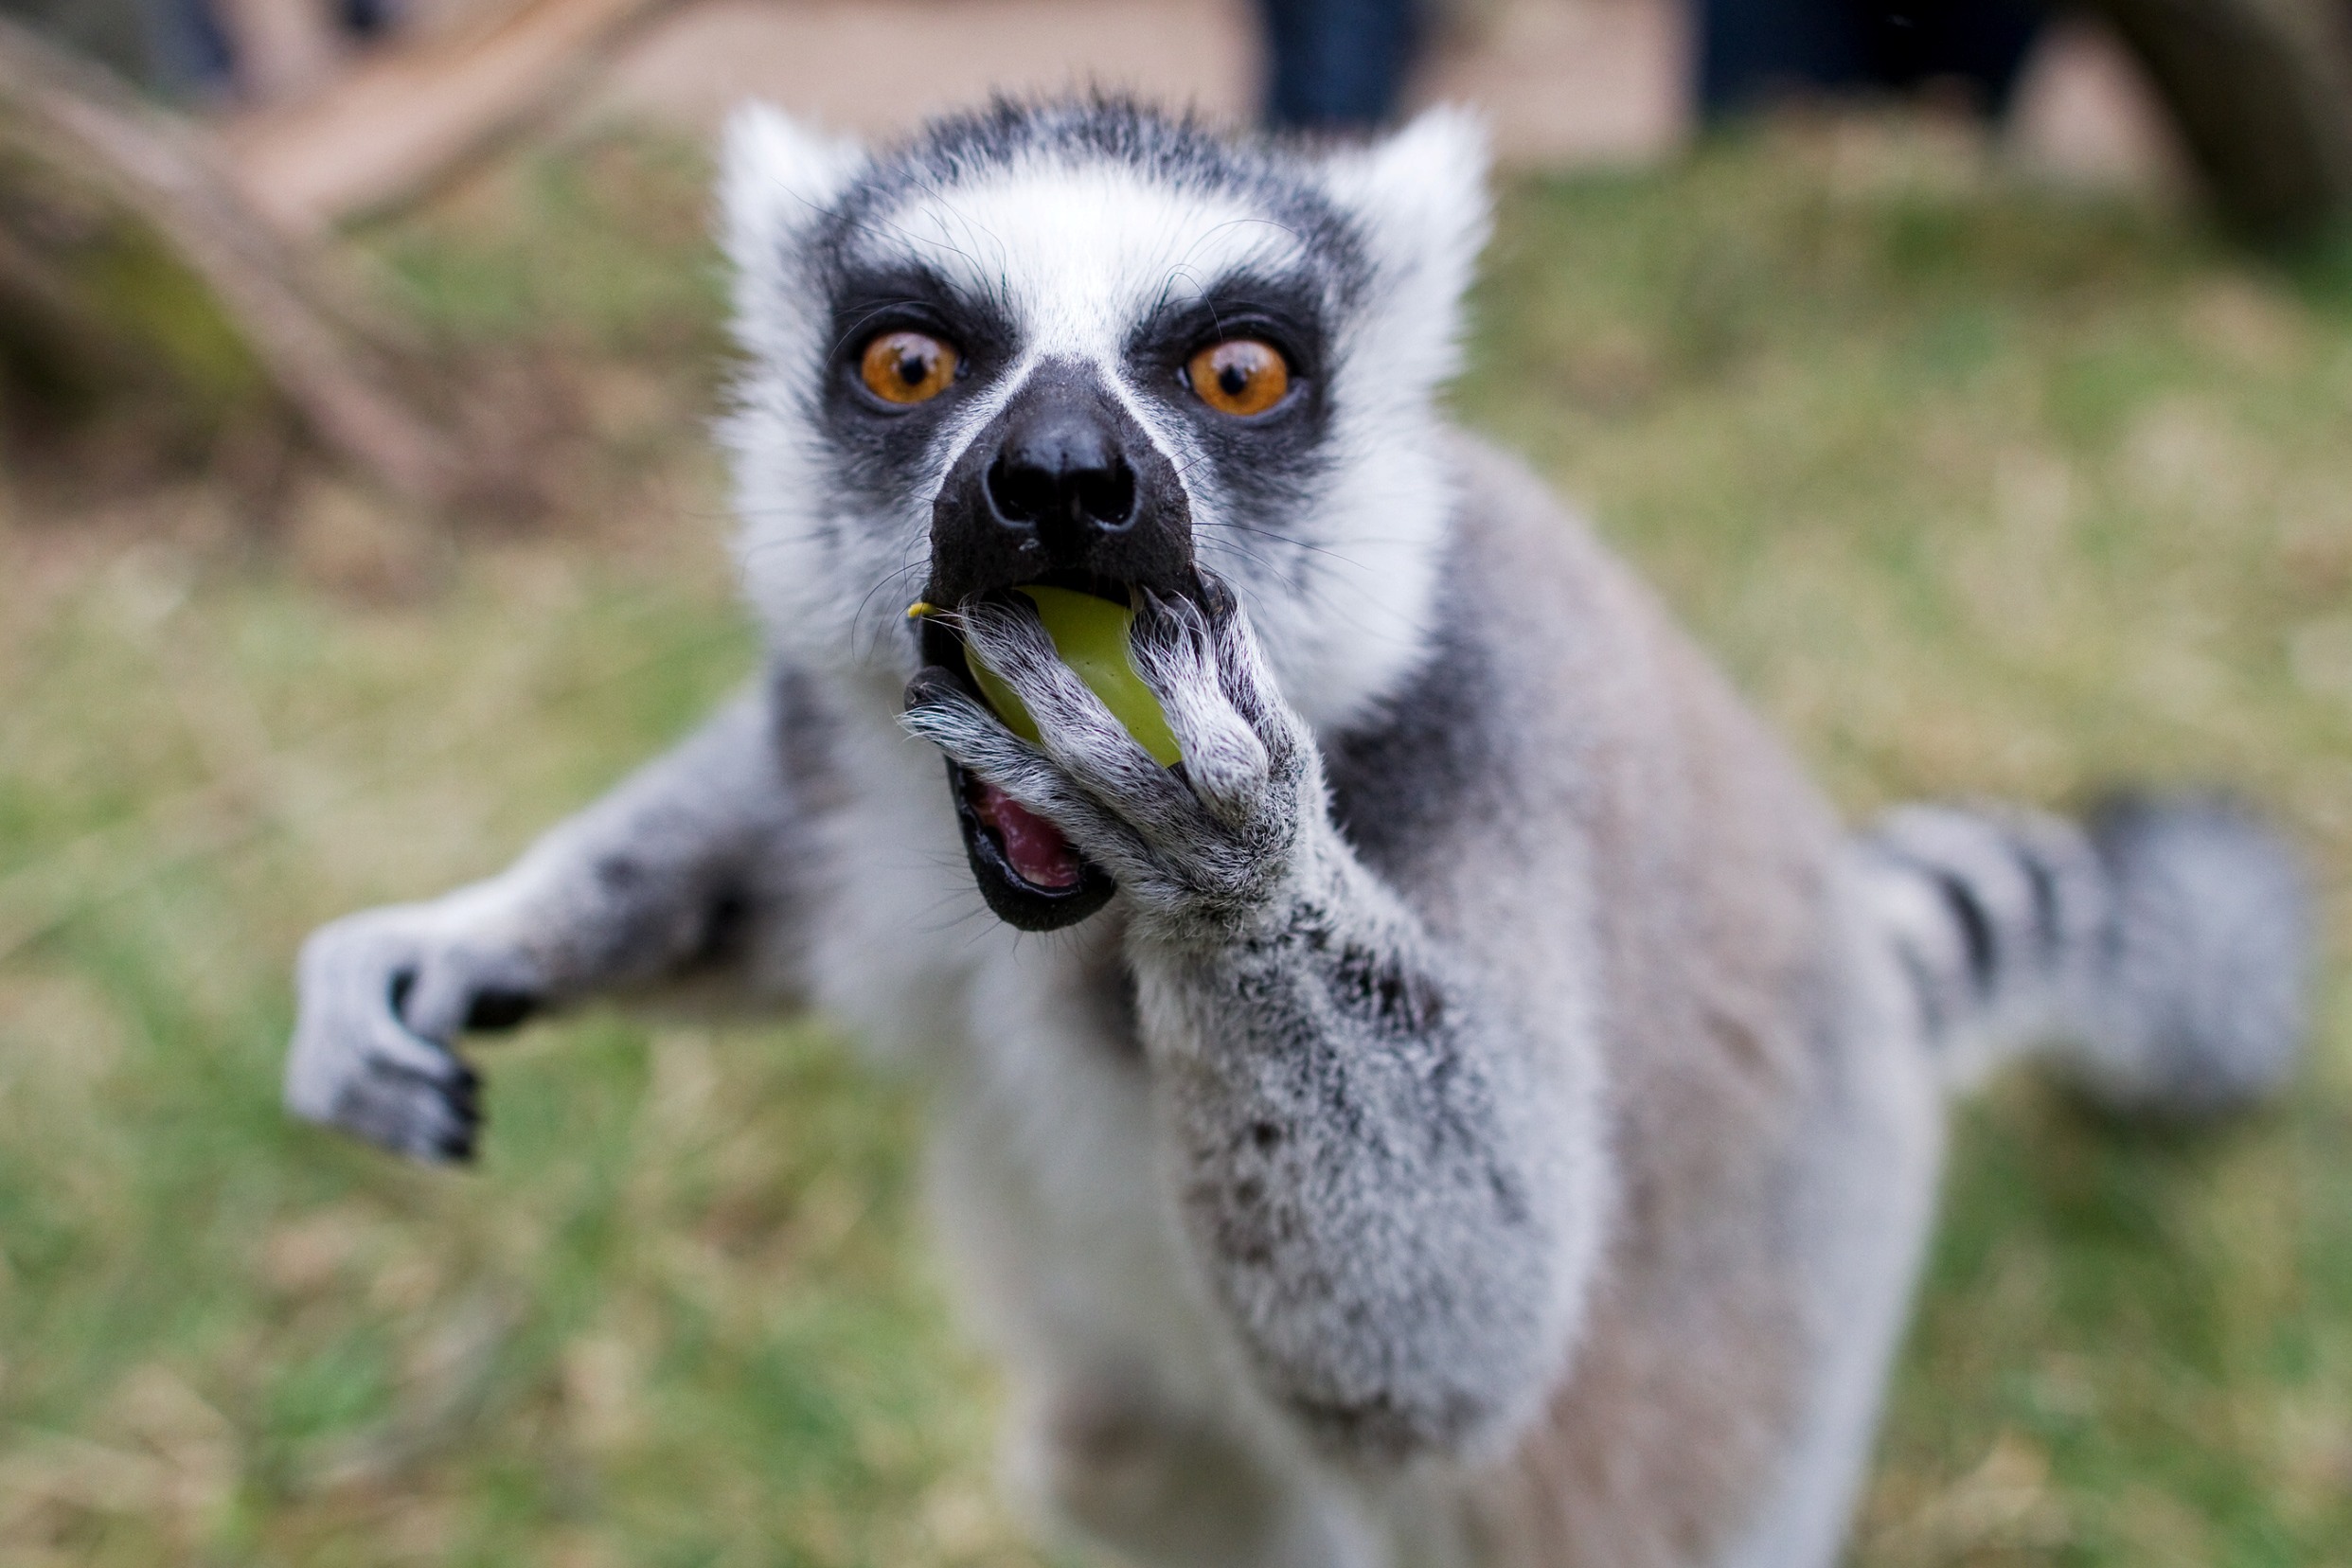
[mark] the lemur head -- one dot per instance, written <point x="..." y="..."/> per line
<point x="1081" y="340"/>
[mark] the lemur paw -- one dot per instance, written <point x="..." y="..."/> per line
<point x="1204" y="849"/>
<point x="382" y="994"/>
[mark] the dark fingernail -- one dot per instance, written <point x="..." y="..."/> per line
<point x="492" y="1010"/>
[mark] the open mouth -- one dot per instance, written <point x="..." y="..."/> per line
<point x="1028" y="871"/>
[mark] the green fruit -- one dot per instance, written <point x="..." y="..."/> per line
<point x="1090" y="633"/>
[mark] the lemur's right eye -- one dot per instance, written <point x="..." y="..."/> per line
<point x="907" y="367"/>
<point x="1239" y="376"/>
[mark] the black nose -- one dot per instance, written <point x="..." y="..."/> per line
<point x="1059" y="471"/>
<point x="1064" y="482"/>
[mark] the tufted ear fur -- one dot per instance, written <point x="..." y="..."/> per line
<point x="776" y="176"/>
<point x="1419" y="200"/>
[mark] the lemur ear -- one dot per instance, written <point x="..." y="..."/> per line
<point x="1419" y="198"/>
<point x="776" y="177"/>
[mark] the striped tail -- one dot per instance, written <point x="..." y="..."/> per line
<point x="2158" y="950"/>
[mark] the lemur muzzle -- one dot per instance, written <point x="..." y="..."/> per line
<point x="1062" y="484"/>
<point x="1062" y="487"/>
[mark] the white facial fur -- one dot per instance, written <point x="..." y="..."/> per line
<point x="1075" y="249"/>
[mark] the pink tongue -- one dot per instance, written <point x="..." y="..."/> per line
<point x="1035" y="845"/>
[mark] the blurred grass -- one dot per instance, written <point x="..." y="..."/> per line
<point x="1977" y="487"/>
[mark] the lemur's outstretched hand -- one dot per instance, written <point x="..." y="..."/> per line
<point x="686" y="873"/>
<point x="383" y="995"/>
<point x="1206" y="853"/>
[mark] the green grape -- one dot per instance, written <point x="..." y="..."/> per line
<point x="1090" y="633"/>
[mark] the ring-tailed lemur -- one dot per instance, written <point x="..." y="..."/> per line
<point x="1477" y="1107"/>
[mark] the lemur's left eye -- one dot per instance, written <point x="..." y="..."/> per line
<point x="907" y="367"/>
<point x="1239" y="376"/>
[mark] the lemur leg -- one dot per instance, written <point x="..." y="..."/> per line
<point x="1376" y="1169"/>
<point x="686" y="868"/>
<point x="1124" y="1424"/>
<point x="1170" y="1490"/>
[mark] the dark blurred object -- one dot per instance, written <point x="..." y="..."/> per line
<point x="1752" y="52"/>
<point x="2261" y="90"/>
<point x="1343" y="64"/>
<point x="1338" y="64"/>
<point x="188" y="53"/>
<point x="158" y="42"/>
<point x="368" y="18"/>
<point x="190" y="49"/>
<point x="132" y="277"/>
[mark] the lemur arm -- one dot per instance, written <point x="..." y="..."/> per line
<point x="685" y="874"/>
<point x="1370" y="1168"/>
<point x="1373" y="1160"/>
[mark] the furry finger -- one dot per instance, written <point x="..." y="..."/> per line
<point x="1248" y="683"/>
<point x="429" y="1113"/>
<point x="374" y="1078"/>
<point x="416" y="1116"/>
<point x="1224" y="761"/>
<point x="1079" y="732"/>
<point x="941" y="713"/>
<point x="1191" y="851"/>
<point x="1210" y="876"/>
<point x="357" y="1063"/>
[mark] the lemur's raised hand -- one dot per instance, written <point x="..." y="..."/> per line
<point x="1369" y="1146"/>
<point x="1476" y="1107"/>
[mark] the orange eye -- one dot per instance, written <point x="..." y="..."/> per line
<point x="1239" y="376"/>
<point x="907" y="367"/>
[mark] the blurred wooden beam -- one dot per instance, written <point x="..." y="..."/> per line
<point x="405" y="119"/>
<point x="127" y="263"/>
<point x="2262" y="93"/>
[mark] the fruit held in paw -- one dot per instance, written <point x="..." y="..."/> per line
<point x="1090" y="633"/>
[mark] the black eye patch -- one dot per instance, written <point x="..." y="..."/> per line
<point x="1267" y="466"/>
<point x="879" y="451"/>
<point x="1286" y="314"/>
<point x="867" y="304"/>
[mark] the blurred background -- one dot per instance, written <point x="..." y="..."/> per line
<point x="1976" y="381"/>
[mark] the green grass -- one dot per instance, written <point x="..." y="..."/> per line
<point x="1975" y="488"/>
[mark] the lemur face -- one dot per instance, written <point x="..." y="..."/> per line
<point x="1080" y="343"/>
<point x="1062" y="355"/>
